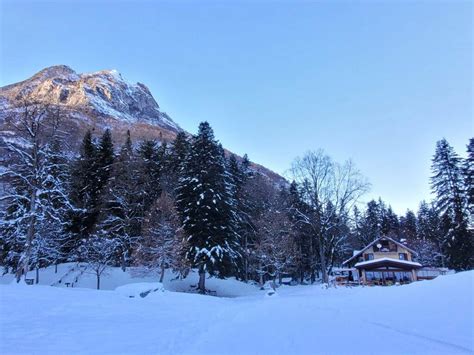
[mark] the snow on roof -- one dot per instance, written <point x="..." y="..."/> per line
<point x="375" y="261"/>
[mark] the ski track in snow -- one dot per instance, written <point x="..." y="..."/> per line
<point x="429" y="339"/>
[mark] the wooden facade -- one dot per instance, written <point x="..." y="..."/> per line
<point x="383" y="262"/>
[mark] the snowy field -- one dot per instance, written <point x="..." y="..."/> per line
<point x="429" y="317"/>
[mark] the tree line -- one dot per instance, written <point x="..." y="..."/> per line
<point x="188" y="205"/>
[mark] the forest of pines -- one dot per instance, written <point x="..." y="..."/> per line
<point x="189" y="204"/>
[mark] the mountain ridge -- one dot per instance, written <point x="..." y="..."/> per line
<point x="96" y="101"/>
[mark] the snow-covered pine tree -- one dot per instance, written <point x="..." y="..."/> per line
<point x="153" y="175"/>
<point x="121" y="212"/>
<point x="105" y="158"/>
<point x="239" y="174"/>
<point x="408" y="225"/>
<point x="451" y="201"/>
<point x="372" y="223"/>
<point x="429" y="241"/>
<point x="85" y="191"/>
<point x="390" y="223"/>
<point x="469" y="178"/>
<point x="90" y="174"/>
<point x="32" y="224"/>
<point x="207" y="209"/>
<point x="178" y="152"/>
<point x="236" y="174"/>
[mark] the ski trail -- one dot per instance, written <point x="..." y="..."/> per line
<point x="420" y="336"/>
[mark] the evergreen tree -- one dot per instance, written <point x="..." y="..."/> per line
<point x="237" y="181"/>
<point x="371" y="226"/>
<point x="469" y="177"/>
<point x="408" y="224"/>
<point x="429" y="241"/>
<point x="207" y="208"/>
<point x="90" y="175"/>
<point x="85" y="190"/>
<point x="105" y="158"/>
<point x="390" y="223"/>
<point x="150" y="171"/>
<point x="179" y="151"/>
<point x="121" y="211"/>
<point x="448" y="185"/>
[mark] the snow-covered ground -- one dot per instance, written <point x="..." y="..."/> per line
<point x="428" y="317"/>
<point x="115" y="277"/>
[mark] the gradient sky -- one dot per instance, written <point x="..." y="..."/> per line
<point x="375" y="81"/>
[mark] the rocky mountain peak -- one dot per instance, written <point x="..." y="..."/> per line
<point x="56" y="71"/>
<point x="102" y="95"/>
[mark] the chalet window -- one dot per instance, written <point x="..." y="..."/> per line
<point x="369" y="256"/>
<point x="403" y="256"/>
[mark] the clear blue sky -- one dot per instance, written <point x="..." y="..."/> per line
<point x="375" y="81"/>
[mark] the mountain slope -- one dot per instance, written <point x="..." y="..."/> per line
<point x="95" y="101"/>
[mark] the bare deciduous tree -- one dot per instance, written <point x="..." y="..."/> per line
<point x="98" y="252"/>
<point x="330" y="190"/>
<point x="161" y="244"/>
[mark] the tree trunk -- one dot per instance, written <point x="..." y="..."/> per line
<point x="202" y="280"/>
<point x="322" y="257"/>
<point x="162" y="273"/>
<point x="260" y="275"/>
<point x="37" y="275"/>
<point x="56" y="268"/>
<point x="311" y="261"/>
<point x="301" y="268"/>
<point x="246" y="261"/>
<point x="124" y="261"/>
<point x="98" y="281"/>
<point x="26" y="255"/>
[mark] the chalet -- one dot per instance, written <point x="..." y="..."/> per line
<point x="383" y="262"/>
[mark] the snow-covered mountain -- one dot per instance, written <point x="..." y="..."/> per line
<point x="104" y="94"/>
<point x="95" y="101"/>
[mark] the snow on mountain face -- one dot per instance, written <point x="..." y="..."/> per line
<point x="104" y="94"/>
